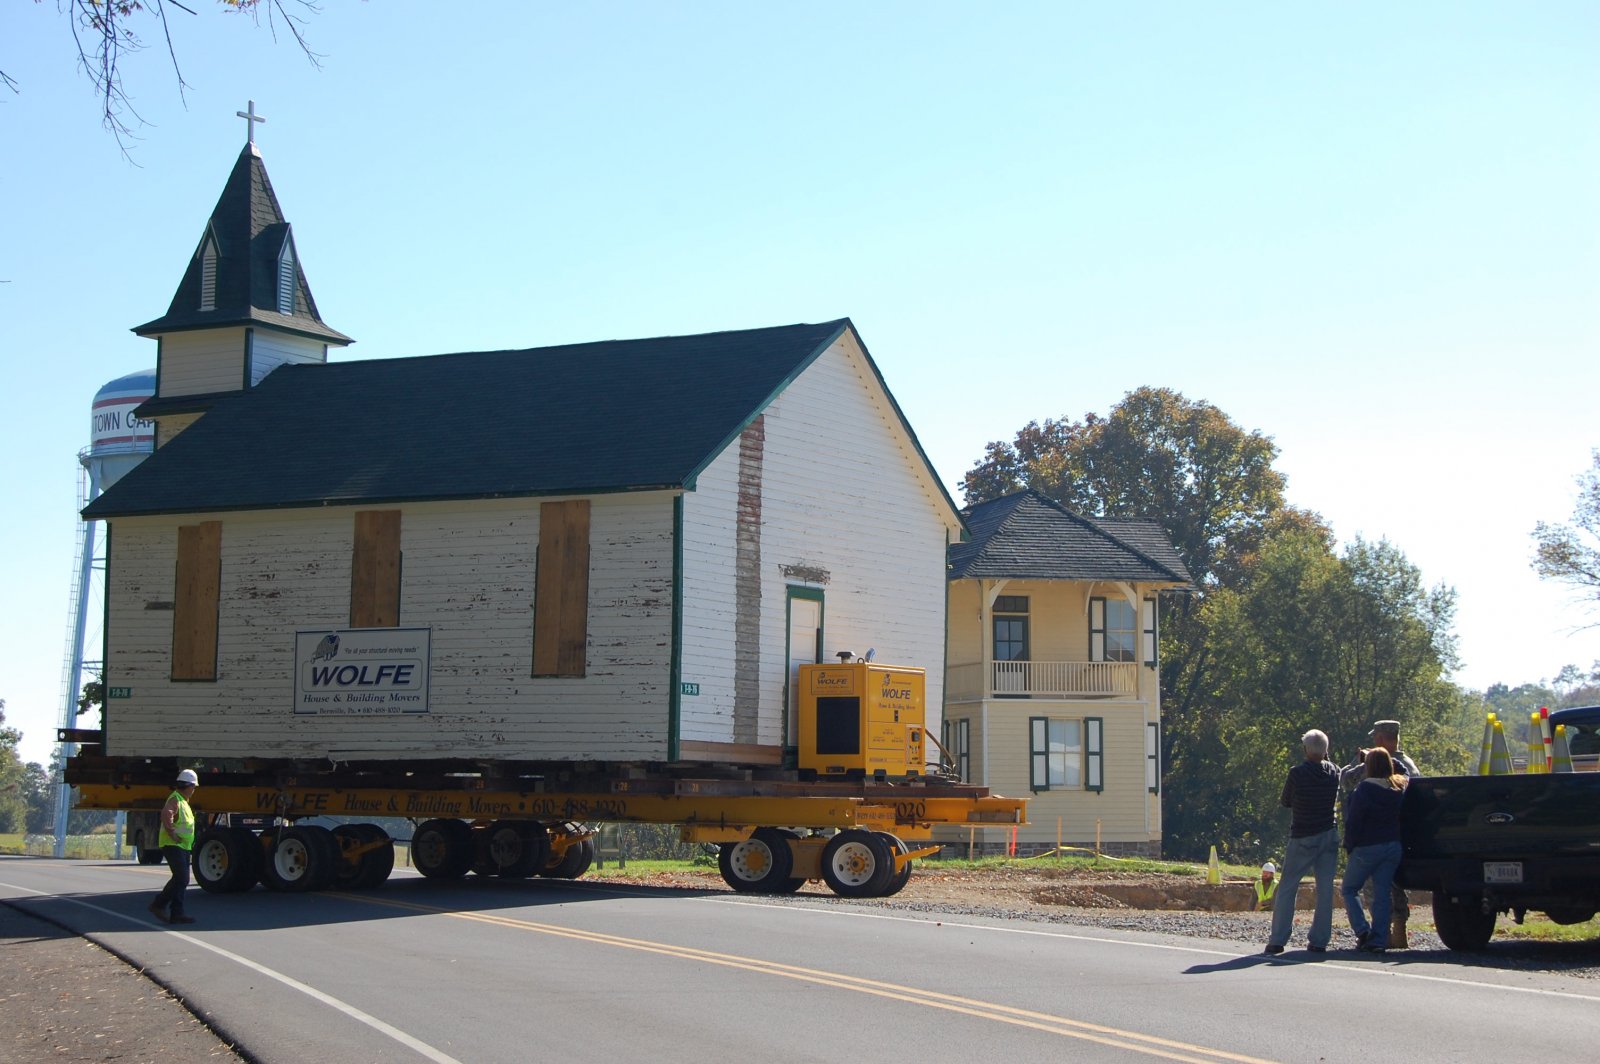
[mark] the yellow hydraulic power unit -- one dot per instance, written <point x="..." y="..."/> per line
<point x="862" y="719"/>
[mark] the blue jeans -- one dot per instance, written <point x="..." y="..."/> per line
<point x="1377" y="863"/>
<point x="1318" y="855"/>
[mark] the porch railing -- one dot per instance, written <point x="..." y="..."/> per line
<point x="1043" y="679"/>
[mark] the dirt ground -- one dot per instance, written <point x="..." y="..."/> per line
<point x="62" y="998"/>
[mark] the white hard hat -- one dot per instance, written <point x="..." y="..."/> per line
<point x="1270" y="868"/>
<point x="188" y="776"/>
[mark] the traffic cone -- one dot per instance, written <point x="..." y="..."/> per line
<point x="1546" y="738"/>
<point x="1535" y="745"/>
<point x="1563" y="751"/>
<point x="1213" y="869"/>
<point x="1499" y="753"/>
<point x="1486" y="749"/>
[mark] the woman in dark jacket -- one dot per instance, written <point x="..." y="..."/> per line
<point x="1372" y="839"/>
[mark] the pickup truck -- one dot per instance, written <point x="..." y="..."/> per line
<point x="1491" y="844"/>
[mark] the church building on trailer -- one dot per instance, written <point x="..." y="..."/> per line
<point x="616" y="551"/>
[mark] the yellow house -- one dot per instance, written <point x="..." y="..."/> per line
<point x="1052" y="689"/>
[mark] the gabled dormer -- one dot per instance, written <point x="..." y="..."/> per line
<point x="242" y="308"/>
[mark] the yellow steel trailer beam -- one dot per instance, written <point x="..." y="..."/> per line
<point x="718" y="812"/>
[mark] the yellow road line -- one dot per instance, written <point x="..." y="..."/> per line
<point x="1150" y="1045"/>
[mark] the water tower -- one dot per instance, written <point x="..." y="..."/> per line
<point x="118" y="441"/>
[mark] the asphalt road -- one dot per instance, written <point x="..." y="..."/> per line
<point x="486" y="971"/>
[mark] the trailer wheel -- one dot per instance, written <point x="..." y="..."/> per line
<point x="301" y="859"/>
<point x="370" y="867"/>
<point x="572" y="864"/>
<point x="760" y="864"/>
<point x="897" y="880"/>
<point x="857" y="864"/>
<point x="1460" y="920"/>
<point x="442" y="849"/>
<point x="517" y="849"/>
<point x="146" y="852"/>
<point x="223" y="863"/>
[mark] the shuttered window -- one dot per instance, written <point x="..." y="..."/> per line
<point x="196" y="600"/>
<point x="958" y="747"/>
<point x="1056" y="753"/>
<point x="561" y="590"/>
<point x="375" y="570"/>
<point x="1110" y="630"/>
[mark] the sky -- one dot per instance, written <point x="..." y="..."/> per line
<point x="1369" y="231"/>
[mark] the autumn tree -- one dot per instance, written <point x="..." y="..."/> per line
<point x="1571" y="553"/>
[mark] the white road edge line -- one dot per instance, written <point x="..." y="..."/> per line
<point x="354" y="1013"/>
<point x="1329" y="966"/>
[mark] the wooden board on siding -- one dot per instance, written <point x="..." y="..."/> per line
<point x="375" y="570"/>
<point x="199" y="583"/>
<point x="561" y="591"/>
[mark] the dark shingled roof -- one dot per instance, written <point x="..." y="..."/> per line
<point x="1027" y="536"/>
<point x="250" y="232"/>
<point x="617" y="415"/>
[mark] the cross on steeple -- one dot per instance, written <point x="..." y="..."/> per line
<point x="250" y="118"/>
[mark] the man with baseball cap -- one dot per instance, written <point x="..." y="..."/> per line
<point x="177" y="840"/>
<point x="1384" y="734"/>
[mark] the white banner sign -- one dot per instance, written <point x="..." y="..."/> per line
<point x="361" y="671"/>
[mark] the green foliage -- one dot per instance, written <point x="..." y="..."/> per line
<point x="1157" y="455"/>
<point x="1283" y="634"/>
<point x="1311" y="639"/>
<point x="13" y="799"/>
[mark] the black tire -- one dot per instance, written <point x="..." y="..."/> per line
<point x="517" y="849"/>
<point x="572" y="864"/>
<point x="301" y="859"/>
<point x="146" y="853"/>
<point x="857" y="864"/>
<point x="442" y="849"/>
<point x="366" y="856"/>
<point x="897" y="880"/>
<point x="223" y="862"/>
<point x="1461" y="922"/>
<point x="760" y="864"/>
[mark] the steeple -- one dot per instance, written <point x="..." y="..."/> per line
<point x="245" y="270"/>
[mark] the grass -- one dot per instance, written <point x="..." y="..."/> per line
<point x="1536" y="928"/>
<point x="84" y="847"/>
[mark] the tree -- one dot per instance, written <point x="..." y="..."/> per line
<point x="1571" y="553"/>
<point x="107" y="31"/>
<point x="13" y="779"/>
<point x="1309" y="638"/>
<point x="1157" y="455"/>
<point x="1282" y="634"/>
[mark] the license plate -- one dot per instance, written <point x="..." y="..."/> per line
<point x="1502" y="871"/>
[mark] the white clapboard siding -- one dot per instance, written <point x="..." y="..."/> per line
<point x="202" y="362"/>
<point x="467" y="574"/>
<point x="844" y="491"/>
<point x="269" y="350"/>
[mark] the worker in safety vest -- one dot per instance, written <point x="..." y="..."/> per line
<point x="1266" y="886"/>
<point x="177" y="841"/>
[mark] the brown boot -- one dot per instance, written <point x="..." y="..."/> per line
<point x="1397" y="934"/>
